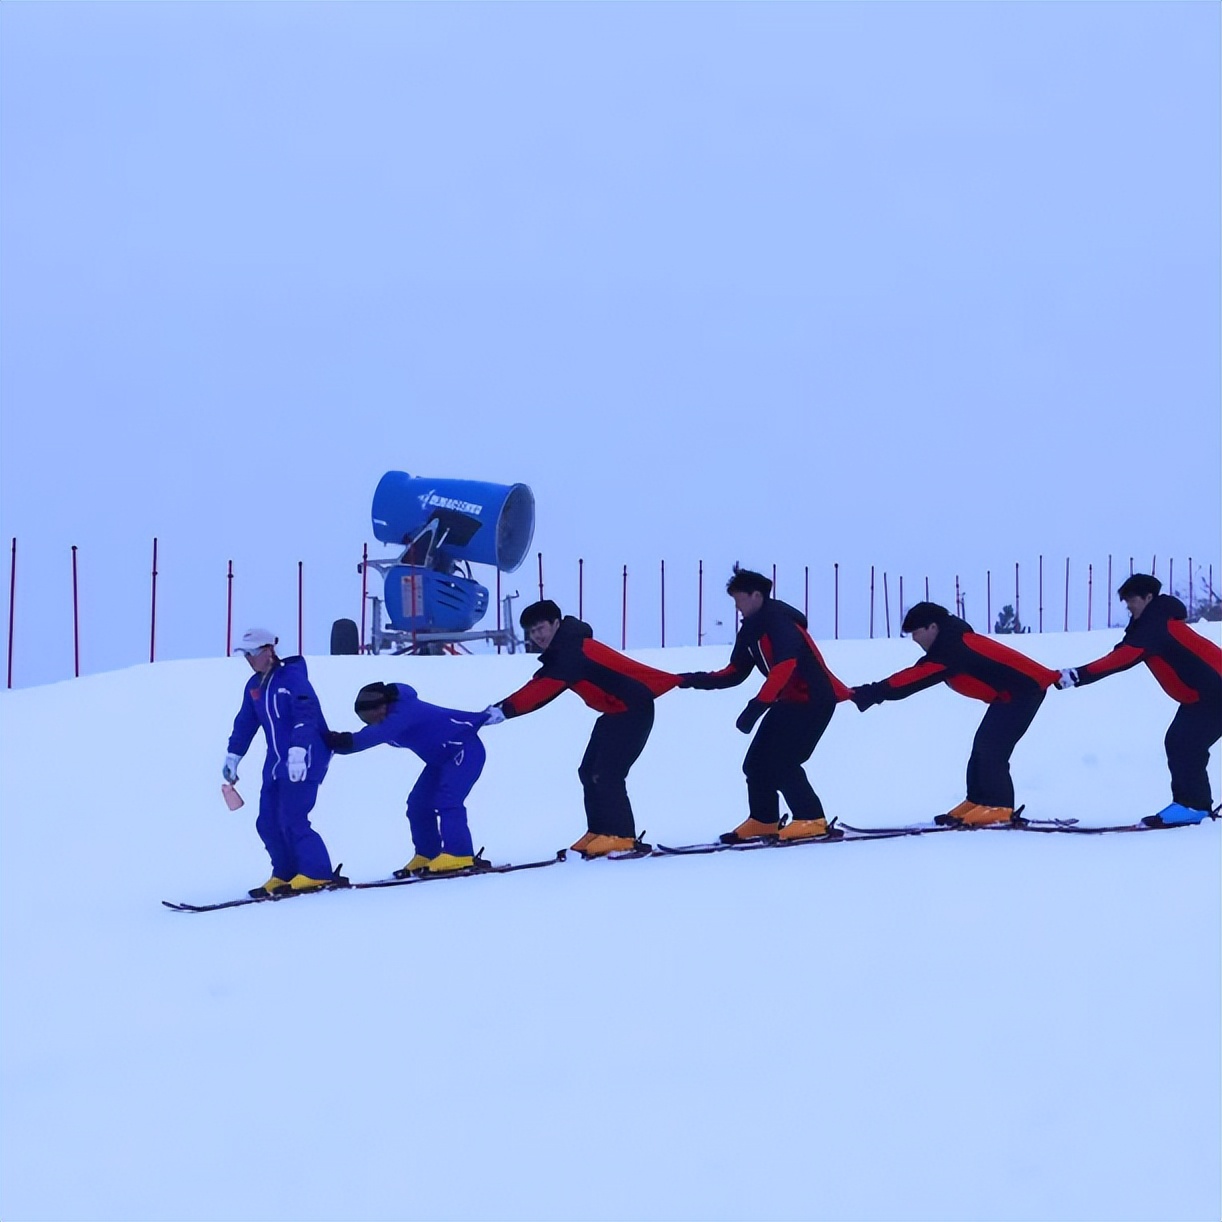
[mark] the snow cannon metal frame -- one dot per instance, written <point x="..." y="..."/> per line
<point x="430" y="599"/>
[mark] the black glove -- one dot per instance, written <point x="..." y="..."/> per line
<point x="868" y="695"/>
<point x="750" y="715"/>
<point x="338" y="740"/>
<point x="697" y="678"/>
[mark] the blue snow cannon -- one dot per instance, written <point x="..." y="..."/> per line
<point x="445" y="526"/>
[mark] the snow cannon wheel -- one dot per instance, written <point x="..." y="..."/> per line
<point x="345" y="639"/>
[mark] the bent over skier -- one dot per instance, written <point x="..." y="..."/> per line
<point x="1010" y="683"/>
<point x="280" y="699"/>
<point x="615" y="686"/>
<point x="448" y="742"/>
<point x="1188" y="667"/>
<point x="797" y="701"/>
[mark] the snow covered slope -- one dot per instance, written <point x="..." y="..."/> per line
<point x="969" y="1026"/>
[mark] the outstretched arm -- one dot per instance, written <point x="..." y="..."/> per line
<point x="730" y="675"/>
<point x="900" y="685"/>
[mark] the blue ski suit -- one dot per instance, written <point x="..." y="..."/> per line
<point x="283" y="703"/>
<point x="448" y="742"/>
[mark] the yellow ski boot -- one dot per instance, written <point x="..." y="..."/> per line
<point x="983" y="816"/>
<point x="750" y="829"/>
<point x="448" y="863"/>
<point x="803" y="829"/>
<point x="258" y="893"/>
<point x="600" y="846"/>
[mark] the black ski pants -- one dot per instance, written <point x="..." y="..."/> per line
<point x="617" y="740"/>
<point x="988" y="769"/>
<point x="1194" y="729"/>
<point x="773" y="765"/>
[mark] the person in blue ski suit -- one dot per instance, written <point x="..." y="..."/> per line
<point x="279" y="699"/>
<point x="448" y="742"/>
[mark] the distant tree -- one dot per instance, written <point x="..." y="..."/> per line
<point x="1008" y="622"/>
<point x="1206" y="604"/>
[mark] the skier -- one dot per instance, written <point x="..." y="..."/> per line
<point x="448" y="742"/>
<point x="1188" y="667"/>
<point x="1010" y="683"/>
<point x="797" y="701"/>
<point x="280" y="699"/>
<point x="615" y="686"/>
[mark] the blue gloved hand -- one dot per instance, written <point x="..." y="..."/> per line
<point x="230" y="769"/>
<point x="297" y="763"/>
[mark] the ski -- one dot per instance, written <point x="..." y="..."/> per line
<point x="374" y="884"/>
<point x="838" y="833"/>
<point x="471" y="872"/>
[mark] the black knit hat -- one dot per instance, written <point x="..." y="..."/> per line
<point x="748" y="581"/>
<point x="537" y="613"/>
<point x="921" y="615"/>
<point x="1139" y="584"/>
<point x="373" y="696"/>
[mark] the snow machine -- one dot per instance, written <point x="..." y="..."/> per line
<point x="430" y="599"/>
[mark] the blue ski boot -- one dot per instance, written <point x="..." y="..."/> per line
<point x="1175" y="815"/>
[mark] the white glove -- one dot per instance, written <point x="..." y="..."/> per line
<point x="1069" y="678"/>
<point x="495" y="715"/>
<point x="230" y="769"/>
<point x="297" y="763"/>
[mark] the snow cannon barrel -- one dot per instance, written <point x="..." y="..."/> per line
<point x="476" y="522"/>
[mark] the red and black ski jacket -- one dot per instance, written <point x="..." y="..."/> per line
<point x="1188" y="666"/>
<point x="606" y="680"/>
<point x="775" y="642"/>
<point x="968" y="663"/>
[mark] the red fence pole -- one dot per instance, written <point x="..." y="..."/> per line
<point x="886" y="606"/>
<point x="365" y="592"/>
<point x="1154" y="566"/>
<point x="540" y="576"/>
<point x="700" y="603"/>
<point x="1041" y="592"/>
<point x="76" y="622"/>
<point x="836" y="602"/>
<point x="229" y="610"/>
<point x="871" y="602"/>
<point x="623" y="634"/>
<point x="153" y="618"/>
<point x="581" y="564"/>
<point x="12" y="591"/>
<point x="1090" y="593"/>
<point x="663" y="604"/>
<point x="300" y="592"/>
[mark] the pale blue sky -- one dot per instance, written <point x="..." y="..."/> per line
<point x="933" y="286"/>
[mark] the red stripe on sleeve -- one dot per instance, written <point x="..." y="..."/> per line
<point x="1195" y="643"/>
<point x="1121" y="658"/>
<point x="778" y="676"/>
<point x="532" y="695"/>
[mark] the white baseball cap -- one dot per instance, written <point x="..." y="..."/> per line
<point x="253" y="639"/>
